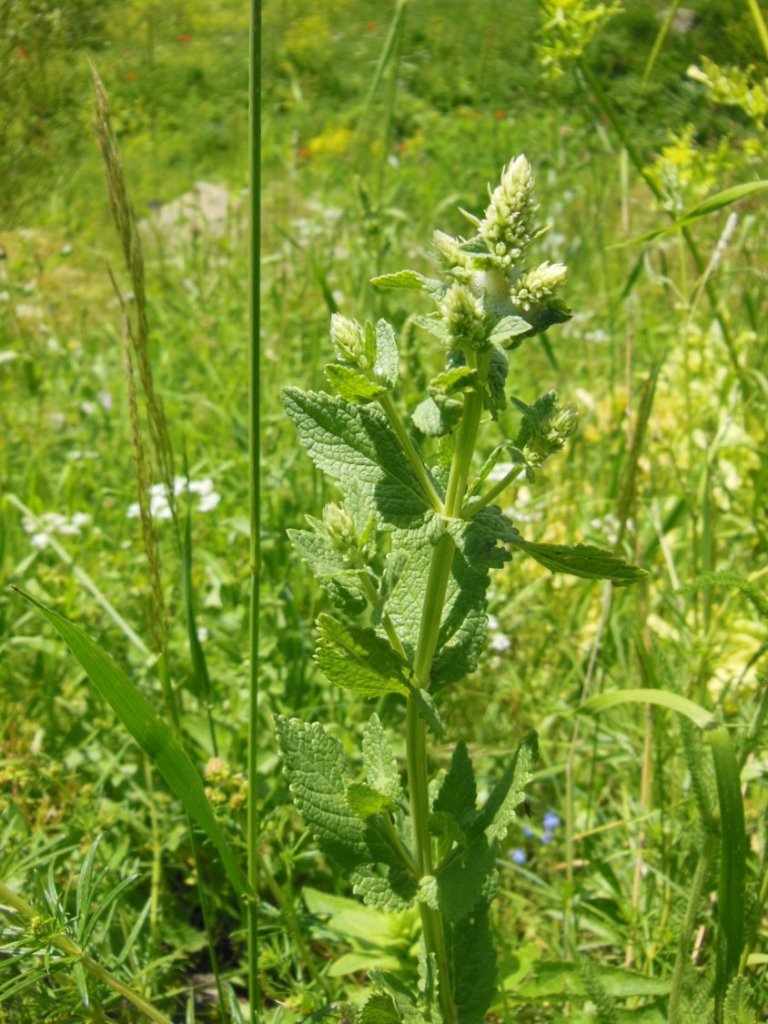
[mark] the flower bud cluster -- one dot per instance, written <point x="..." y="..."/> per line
<point x="339" y="528"/>
<point x="458" y="263"/>
<point x="223" y="786"/>
<point x="351" y="342"/>
<point x="550" y="434"/>
<point x="464" y="317"/>
<point x="509" y="223"/>
<point x="538" y="286"/>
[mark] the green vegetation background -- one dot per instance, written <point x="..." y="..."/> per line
<point x="353" y="186"/>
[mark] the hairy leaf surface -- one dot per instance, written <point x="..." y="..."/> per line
<point x="358" y="659"/>
<point x="356" y="446"/>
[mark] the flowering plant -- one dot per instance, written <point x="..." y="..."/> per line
<point x="405" y="558"/>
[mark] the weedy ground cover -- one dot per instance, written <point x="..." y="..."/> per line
<point x="613" y="882"/>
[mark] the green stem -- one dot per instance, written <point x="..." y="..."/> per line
<point x="254" y="371"/>
<point x="416" y="461"/>
<point x="415" y="741"/>
<point x="70" y="948"/>
<point x="494" y="492"/>
<point x="757" y="16"/>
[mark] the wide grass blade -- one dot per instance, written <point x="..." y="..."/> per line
<point x="152" y="734"/>
<point x="731" y="897"/>
<point x="710" y="205"/>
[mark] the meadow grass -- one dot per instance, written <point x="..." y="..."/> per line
<point x="667" y="468"/>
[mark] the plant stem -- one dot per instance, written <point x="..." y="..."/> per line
<point x="70" y="948"/>
<point x="416" y="746"/>
<point x="254" y="370"/>
<point x="417" y="463"/>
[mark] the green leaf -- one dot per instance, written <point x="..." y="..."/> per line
<point x="498" y="370"/>
<point x="379" y="1009"/>
<point x="507" y="328"/>
<point x="342" y="584"/>
<point x="394" y="564"/>
<point x="709" y="205"/>
<point x="474" y="967"/>
<point x="739" y="1007"/>
<point x="499" y="810"/>
<point x="434" y="324"/>
<point x="427" y="711"/>
<point x="318" y="776"/>
<point x="356" y="446"/>
<point x="385" y="366"/>
<point x="457" y="379"/>
<point x="458" y="792"/>
<point x="731" y="897"/>
<point x="466" y="878"/>
<point x="562" y="980"/>
<point x="364" y="801"/>
<point x="358" y="659"/>
<point x="349" y="383"/>
<point x="381" y="770"/>
<point x="410" y="279"/>
<point x="394" y="890"/>
<point x="427" y="417"/>
<point x="582" y="560"/>
<point x="150" y="732"/>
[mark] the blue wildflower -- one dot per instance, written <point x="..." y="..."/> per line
<point x="551" y="821"/>
<point x="518" y="856"/>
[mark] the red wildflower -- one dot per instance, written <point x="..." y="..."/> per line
<point x="21" y="52"/>
<point x="130" y="75"/>
<point x="303" y="153"/>
<point x="372" y="26"/>
<point x="501" y="115"/>
<point x="186" y="38"/>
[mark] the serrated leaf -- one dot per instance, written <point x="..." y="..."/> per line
<point x="507" y="328"/>
<point x="434" y="324"/>
<point x="498" y="369"/>
<point x="582" y="560"/>
<point x="474" y="967"/>
<point x="318" y="776"/>
<point x="458" y="793"/>
<point x="410" y="279"/>
<point x="428" y="418"/>
<point x="364" y="801"/>
<point x="466" y="878"/>
<point x="381" y="769"/>
<point x="428" y="712"/>
<point x="343" y="585"/>
<point x="729" y="579"/>
<point x="498" y="813"/>
<point x="394" y="564"/>
<point x="458" y="378"/>
<point x="738" y="1007"/>
<point x="356" y="446"/>
<point x="394" y="890"/>
<point x="385" y="366"/>
<point x="349" y="383"/>
<point x="444" y="826"/>
<point x="358" y="659"/>
<point x="514" y="455"/>
<point x="379" y="1009"/>
<point x="463" y="628"/>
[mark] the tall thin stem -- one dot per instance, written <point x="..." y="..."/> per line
<point x="416" y="740"/>
<point x="254" y="368"/>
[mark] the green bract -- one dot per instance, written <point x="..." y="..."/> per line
<point x="405" y="558"/>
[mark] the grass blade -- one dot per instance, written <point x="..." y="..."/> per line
<point x="710" y="205"/>
<point x="150" y="732"/>
<point x="731" y="897"/>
